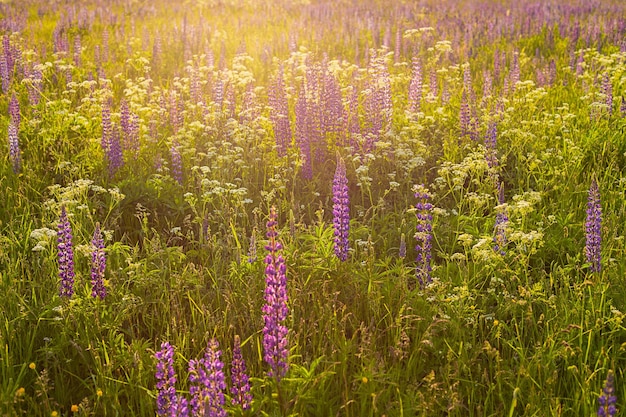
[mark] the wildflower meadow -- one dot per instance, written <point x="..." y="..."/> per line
<point x="312" y="208"/>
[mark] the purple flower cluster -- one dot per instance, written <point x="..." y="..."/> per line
<point x="275" y="310"/>
<point x="491" y="139"/>
<point x="608" y="399"/>
<point x="341" y="211"/>
<point x="280" y="114"/>
<point x="98" y="265"/>
<point x="207" y="383"/>
<point x="402" y="250"/>
<point x="14" y="147"/>
<point x="593" y="228"/>
<point x="14" y="111"/>
<point x="167" y="402"/>
<point x="415" y="87"/>
<point x="423" y="235"/>
<point x="240" y="389"/>
<point x="66" y="255"/>
<point x="177" y="164"/>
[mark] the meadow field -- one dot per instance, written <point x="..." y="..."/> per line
<point x="312" y="208"/>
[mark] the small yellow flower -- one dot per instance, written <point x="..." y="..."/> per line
<point x="32" y="365"/>
<point x="495" y="323"/>
<point x="364" y="380"/>
<point x="54" y="414"/>
<point x="74" y="408"/>
<point x="99" y="393"/>
<point x="20" y="391"/>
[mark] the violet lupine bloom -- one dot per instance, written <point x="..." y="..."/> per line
<point x="207" y="383"/>
<point x="4" y="74"/>
<point x="114" y="154"/>
<point x="502" y="220"/>
<point x="240" y="387"/>
<point x="14" y="111"/>
<point x="280" y="114"/>
<point x="608" y="399"/>
<point x="275" y="310"/>
<point x="66" y="255"/>
<point x="423" y="235"/>
<point x="491" y="144"/>
<point x="415" y="87"/>
<point x="177" y="164"/>
<point x="341" y="211"/>
<point x="593" y="228"/>
<point x="402" y="250"/>
<point x="14" y="147"/>
<point x="167" y="402"/>
<point x="98" y="265"/>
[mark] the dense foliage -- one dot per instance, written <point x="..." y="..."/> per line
<point x="312" y="208"/>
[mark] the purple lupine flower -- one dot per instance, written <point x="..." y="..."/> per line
<point x="114" y="155"/>
<point x="280" y="114"/>
<point x="314" y="123"/>
<point x="491" y="144"/>
<point x="275" y="310"/>
<point x="341" y="211"/>
<point x="66" y="255"/>
<point x="423" y="235"/>
<point x="502" y="220"/>
<point x="14" y="111"/>
<point x="240" y="387"/>
<point x="402" y="250"/>
<point x="77" y="50"/>
<point x="34" y="86"/>
<point x="167" y="401"/>
<point x="177" y="164"/>
<point x="434" y="86"/>
<point x="98" y="265"/>
<point x="14" y="147"/>
<point x="4" y="74"/>
<point x="415" y="87"/>
<point x="622" y="107"/>
<point x="593" y="228"/>
<point x="207" y="383"/>
<point x="608" y="399"/>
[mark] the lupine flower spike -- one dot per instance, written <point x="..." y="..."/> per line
<point x="275" y="310"/>
<point x="341" y="211"/>
<point x="98" y="265"/>
<point x="593" y="228"/>
<point x="240" y="388"/>
<point x="423" y="235"/>
<point x="608" y="399"/>
<point x="66" y="255"/>
<point x="14" y="147"/>
<point x="207" y="383"/>
<point x="167" y="402"/>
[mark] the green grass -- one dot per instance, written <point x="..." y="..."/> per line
<point x="531" y="332"/>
